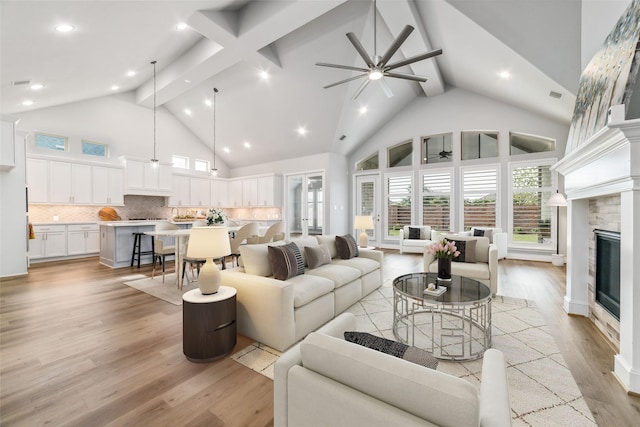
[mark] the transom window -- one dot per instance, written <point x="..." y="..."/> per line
<point x="369" y="163"/>
<point x="479" y="145"/>
<point x="521" y="143"/>
<point x="400" y="155"/>
<point x="201" y="165"/>
<point x="90" y="148"/>
<point x="436" y="148"/>
<point x="51" y="142"/>
<point x="180" y="162"/>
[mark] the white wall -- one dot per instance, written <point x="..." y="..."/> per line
<point x="118" y="121"/>
<point x="598" y="19"/>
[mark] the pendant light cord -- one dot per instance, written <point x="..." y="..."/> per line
<point x="154" y="111"/>
<point x="375" y="20"/>
<point x="215" y="90"/>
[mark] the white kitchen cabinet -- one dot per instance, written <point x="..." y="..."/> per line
<point x="37" y="180"/>
<point x="250" y="192"/>
<point x="50" y="241"/>
<point x="143" y="179"/>
<point x="7" y="143"/>
<point x="108" y="185"/>
<point x="83" y="239"/>
<point x="270" y="190"/>
<point x="235" y="193"/>
<point x="70" y="183"/>
<point x="200" y="194"/>
<point x="219" y="193"/>
<point x="181" y="192"/>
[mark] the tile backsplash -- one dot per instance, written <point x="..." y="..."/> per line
<point x="138" y="207"/>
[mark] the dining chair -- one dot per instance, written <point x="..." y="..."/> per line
<point x="247" y="232"/>
<point x="161" y="251"/>
<point x="273" y="233"/>
<point x="193" y="262"/>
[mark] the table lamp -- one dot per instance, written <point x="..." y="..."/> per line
<point x="363" y="223"/>
<point x="209" y="243"/>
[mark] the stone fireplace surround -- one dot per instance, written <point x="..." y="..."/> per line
<point x="607" y="165"/>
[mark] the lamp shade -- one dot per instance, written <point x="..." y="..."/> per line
<point x="557" y="200"/>
<point x="363" y="222"/>
<point x="208" y="242"/>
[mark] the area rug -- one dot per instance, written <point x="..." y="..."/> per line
<point x="541" y="387"/>
<point x="167" y="291"/>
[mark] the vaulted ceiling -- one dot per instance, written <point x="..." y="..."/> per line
<point x="227" y="44"/>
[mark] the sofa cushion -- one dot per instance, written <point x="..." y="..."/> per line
<point x="338" y="274"/>
<point x="303" y="242"/>
<point x="330" y="241"/>
<point x="414" y="233"/>
<point x="347" y="247"/>
<point x="286" y="261"/>
<point x="393" y="348"/>
<point x="425" y="393"/>
<point x="365" y="265"/>
<point x="308" y="287"/>
<point x="255" y="258"/>
<point x="477" y="270"/>
<point x="317" y="255"/>
<point x="416" y="243"/>
<point x="467" y="249"/>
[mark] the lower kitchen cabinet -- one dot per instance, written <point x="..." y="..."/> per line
<point x="50" y="241"/>
<point x="59" y="241"/>
<point x="83" y="239"/>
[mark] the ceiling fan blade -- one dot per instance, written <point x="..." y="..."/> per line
<point x="395" y="45"/>
<point x="360" y="89"/>
<point x="414" y="59"/>
<point x="344" y="81"/>
<point x="363" y="53"/>
<point x="385" y="87"/>
<point x="343" y="67"/>
<point x="407" y="77"/>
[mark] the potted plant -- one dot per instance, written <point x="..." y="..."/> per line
<point x="216" y="217"/>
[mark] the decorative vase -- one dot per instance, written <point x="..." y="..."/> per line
<point x="444" y="269"/>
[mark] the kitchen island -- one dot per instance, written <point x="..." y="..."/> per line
<point x="116" y="241"/>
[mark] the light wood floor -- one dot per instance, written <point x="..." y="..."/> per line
<point x="79" y="348"/>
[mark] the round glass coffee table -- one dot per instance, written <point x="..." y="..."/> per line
<point x="455" y="325"/>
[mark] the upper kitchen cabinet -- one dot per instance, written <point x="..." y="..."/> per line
<point x="38" y="180"/>
<point x="70" y="183"/>
<point x="219" y="193"/>
<point x="7" y="142"/>
<point x="250" y="192"/>
<point x="181" y="193"/>
<point x="269" y="190"/>
<point x="235" y="193"/>
<point x="108" y="185"/>
<point x="200" y="192"/>
<point x="144" y="180"/>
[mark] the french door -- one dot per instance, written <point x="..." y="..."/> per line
<point x="304" y="215"/>
<point x="368" y="203"/>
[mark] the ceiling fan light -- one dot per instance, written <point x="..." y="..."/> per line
<point x="375" y="74"/>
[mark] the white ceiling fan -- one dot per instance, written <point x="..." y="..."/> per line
<point x="378" y="66"/>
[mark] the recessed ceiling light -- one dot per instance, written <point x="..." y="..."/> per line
<point x="226" y="150"/>
<point x="187" y="111"/>
<point x="302" y="131"/>
<point x="131" y="73"/>
<point x="363" y="110"/>
<point x="208" y="102"/>
<point x="247" y="145"/>
<point x="187" y="81"/>
<point x="115" y="87"/>
<point x="504" y="75"/>
<point x="264" y="75"/>
<point x="181" y="26"/>
<point x="37" y="86"/>
<point x="27" y="102"/>
<point x="64" y="28"/>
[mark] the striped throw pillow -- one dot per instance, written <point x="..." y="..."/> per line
<point x="286" y="261"/>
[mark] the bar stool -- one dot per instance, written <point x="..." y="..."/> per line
<point x="137" y="252"/>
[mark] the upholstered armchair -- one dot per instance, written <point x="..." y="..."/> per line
<point x="413" y="238"/>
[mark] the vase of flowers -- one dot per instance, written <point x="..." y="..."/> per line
<point x="216" y="217"/>
<point x="444" y="251"/>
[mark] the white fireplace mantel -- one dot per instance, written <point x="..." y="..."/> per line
<point x="607" y="163"/>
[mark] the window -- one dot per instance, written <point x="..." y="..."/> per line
<point x="52" y="142"/>
<point x="479" y="145"/>
<point x="94" y="149"/>
<point x="480" y="190"/>
<point x="521" y="143"/>
<point x="180" y="162"/>
<point x="436" y="199"/>
<point x="399" y="194"/>
<point x="201" y="165"/>
<point x="531" y="187"/>
<point x="400" y="155"/>
<point x="369" y="163"/>
<point x="436" y="148"/>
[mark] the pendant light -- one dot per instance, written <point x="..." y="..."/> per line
<point x="214" y="170"/>
<point x="154" y="160"/>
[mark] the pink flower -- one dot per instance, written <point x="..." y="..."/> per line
<point x="444" y="249"/>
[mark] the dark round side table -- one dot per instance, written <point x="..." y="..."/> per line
<point x="208" y="324"/>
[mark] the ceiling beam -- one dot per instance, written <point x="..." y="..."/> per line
<point x="230" y="37"/>
<point x="397" y="14"/>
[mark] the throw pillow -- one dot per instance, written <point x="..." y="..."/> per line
<point x="347" y="247"/>
<point x="393" y="348"/>
<point x="478" y="232"/>
<point x="467" y="249"/>
<point x="286" y="261"/>
<point x="317" y="255"/>
<point x="414" y="233"/>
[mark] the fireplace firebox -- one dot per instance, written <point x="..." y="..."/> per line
<point x="607" y="267"/>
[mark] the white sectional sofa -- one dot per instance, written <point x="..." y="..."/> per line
<point x="278" y="313"/>
<point x="326" y="381"/>
<point x="416" y="244"/>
